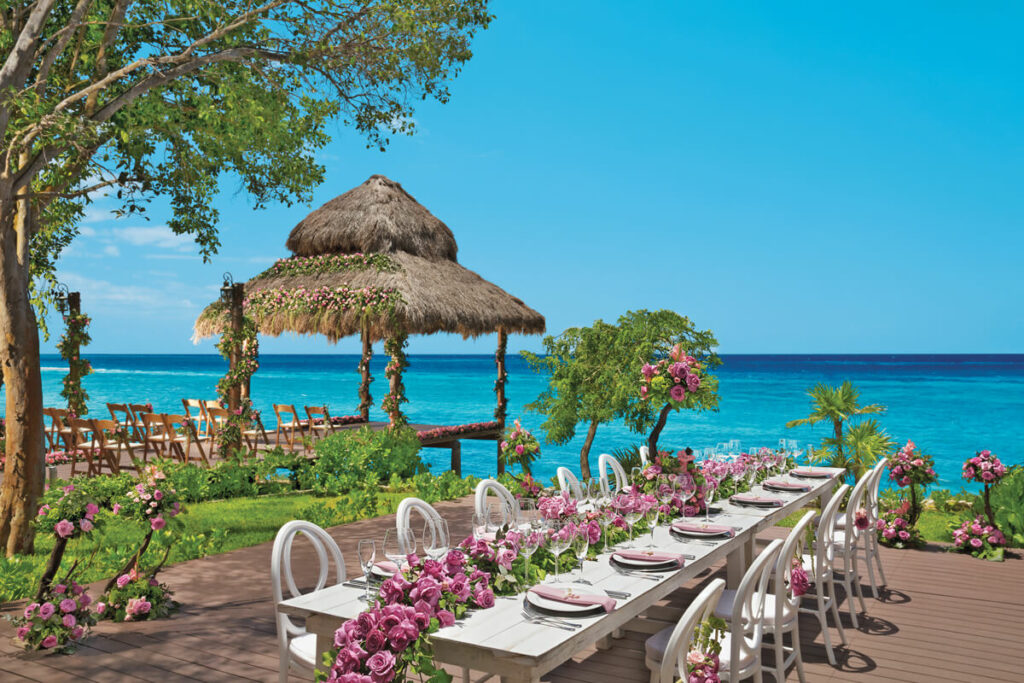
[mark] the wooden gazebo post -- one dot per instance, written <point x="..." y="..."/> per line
<point x="234" y="294"/>
<point x="365" y="400"/>
<point x="499" y="390"/>
<point x="74" y="310"/>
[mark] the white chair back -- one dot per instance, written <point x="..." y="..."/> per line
<point x="747" y="619"/>
<point x="607" y="462"/>
<point x="645" y="456"/>
<point x="787" y="604"/>
<point x="509" y="504"/>
<point x="281" y="568"/>
<point x="682" y="635"/>
<point x="403" y="521"/>
<point x="872" y="503"/>
<point x="567" y="481"/>
<point x="851" y="532"/>
<point x="825" y="540"/>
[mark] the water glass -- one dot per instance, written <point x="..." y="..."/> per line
<point x="396" y="547"/>
<point x="367" y="558"/>
<point x="528" y="544"/>
<point x="527" y="516"/>
<point x="560" y="535"/>
<point x="594" y="491"/>
<point x="479" y="525"/>
<point x="497" y="516"/>
<point x="651" y="514"/>
<point x="710" y="486"/>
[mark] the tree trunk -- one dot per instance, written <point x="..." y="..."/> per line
<point x="235" y="393"/>
<point x="19" y="352"/>
<point x="133" y="562"/>
<point x="585" y="451"/>
<point x="365" y="400"/>
<point x="837" y="430"/>
<point x="652" y="441"/>
<point x="52" y="565"/>
<point x="988" y="507"/>
<point x="501" y="410"/>
<point x="73" y="380"/>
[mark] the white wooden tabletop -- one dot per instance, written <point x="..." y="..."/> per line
<point x="500" y="640"/>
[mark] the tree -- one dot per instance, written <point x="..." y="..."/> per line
<point x="148" y="98"/>
<point x="836" y="405"/>
<point x="866" y="443"/>
<point x="584" y="384"/>
<point x="647" y="337"/>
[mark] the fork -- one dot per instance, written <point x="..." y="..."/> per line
<point x="547" y="621"/>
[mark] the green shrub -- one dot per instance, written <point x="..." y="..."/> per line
<point x="1007" y="499"/>
<point x="191" y="482"/>
<point x="231" y="479"/>
<point x="363" y="458"/>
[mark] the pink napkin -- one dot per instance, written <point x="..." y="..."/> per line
<point x="759" y="500"/>
<point x="650" y="556"/>
<point x="807" y="472"/>
<point x="788" y="485"/>
<point x="574" y="598"/>
<point x="701" y="528"/>
<point x="387" y="566"/>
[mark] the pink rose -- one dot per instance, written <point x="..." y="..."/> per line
<point x="69" y="620"/>
<point x="85" y="524"/>
<point x="445" y="617"/>
<point x="60" y="589"/>
<point x="46" y="610"/>
<point x="157" y="523"/>
<point x="382" y="666"/>
<point x="101" y="607"/>
<point x="77" y="632"/>
<point x="23" y="632"/>
<point x="64" y="528"/>
<point x="117" y="508"/>
<point x="48" y="642"/>
<point x="677" y="393"/>
<point x="123" y="580"/>
<point x="68" y="605"/>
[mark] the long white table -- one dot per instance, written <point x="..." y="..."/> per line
<point x="501" y="641"/>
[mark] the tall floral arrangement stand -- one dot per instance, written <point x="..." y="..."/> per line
<point x="376" y="263"/>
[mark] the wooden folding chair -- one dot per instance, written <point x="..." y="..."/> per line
<point x="319" y="421"/>
<point x="52" y="431"/>
<point x="201" y="419"/>
<point x="288" y="422"/>
<point x="112" y="441"/>
<point x="138" y="410"/>
<point x="122" y="415"/>
<point x="182" y="436"/>
<point x="217" y="420"/>
<point x="81" y="445"/>
<point x="254" y="433"/>
<point x="154" y="434"/>
<point x="61" y="429"/>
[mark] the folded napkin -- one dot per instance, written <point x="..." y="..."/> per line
<point x="568" y="595"/>
<point x="808" y="472"/>
<point x="751" y="499"/>
<point x="701" y="528"/>
<point x="788" y="485"/>
<point x="650" y="556"/>
<point x="387" y="566"/>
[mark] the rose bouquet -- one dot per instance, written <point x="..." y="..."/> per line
<point x="499" y="558"/>
<point x="911" y="468"/>
<point x="669" y="381"/>
<point x="58" y="620"/>
<point x="526" y="487"/>
<point x="674" y="466"/>
<point x="980" y="539"/>
<point x="519" y="447"/>
<point x="702" y="661"/>
<point x="136" y="597"/>
<point x="71" y="516"/>
<point x="558" y="506"/>
<point x="896" y="530"/>
<point x="986" y="469"/>
<point x="391" y="638"/>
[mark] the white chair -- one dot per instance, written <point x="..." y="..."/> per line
<point x="402" y="520"/>
<point x="870" y="545"/>
<point x="665" y="652"/>
<point x="645" y="456"/>
<point x="821" y="572"/>
<point x="509" y="505"/>
<point x="607" y="462"/>
<point x="782" y="607"/>
<point x="567" y="481"/>
<point x="297" y="647"/>
<point x="846" y="540"/>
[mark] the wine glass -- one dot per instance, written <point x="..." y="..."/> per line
<point x="632" y="513"/>
<point x="594" y="491"/>
<point x="527" y="515"/>
<point x="651" y="512"/>
<point x="479" y="525"/>
<point x="396" y="548"/>
<point x="580" y="545"/>
<point x="435" y="538"/>
<point x="528" y="545"/>
<point x="560" y="535"/>
<point x="710" y="486"/>
<point x="367" y="558"/>
<point x="497" y="516"/>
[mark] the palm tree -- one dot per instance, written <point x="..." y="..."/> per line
<point x="866" y="443"/>
<point x="836" y="404"/>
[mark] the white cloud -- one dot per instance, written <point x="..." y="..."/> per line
<point x="86" y="231"/>
<point x="159" y="236"/>
<point x="143" y="299"/>
<point x="111" y="250"/>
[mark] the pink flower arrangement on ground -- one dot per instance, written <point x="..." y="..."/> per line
<point x="137" y="597"/>
<point x="701" y="667"/>
<point x="894" y="527"/>
<point x="909" y="466"/>
<point x="59" y="621"/>
<point x="980" y="539"/>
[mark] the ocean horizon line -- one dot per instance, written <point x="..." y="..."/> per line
<point x="814" y="355"/>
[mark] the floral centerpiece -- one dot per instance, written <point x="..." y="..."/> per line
<point x="392" y="637"/>
<point x="669" y="380"/>
<point x="58" y="620"/>
<point x="137" y="597"/>
<point x="895" y="528"/>
<point x="986" y="469"/>
<point x="674" y="466"/>
<point x="71" y="516"/>
<point x="519" y="447"/>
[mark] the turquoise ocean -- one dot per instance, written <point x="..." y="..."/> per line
<point x="950" y="405"/>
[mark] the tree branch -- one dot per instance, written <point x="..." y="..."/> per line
<point x="19" y="60"/>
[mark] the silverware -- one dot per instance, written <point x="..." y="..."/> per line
<point x="622" y="595"/>
<point x="550" y="621"/>
<point x="638" y="575"/>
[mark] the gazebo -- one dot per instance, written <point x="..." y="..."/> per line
<point x="375" y="262"/>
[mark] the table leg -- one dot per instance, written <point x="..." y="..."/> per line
<point x="324" y="628"/>
<point x="735" y="566"/>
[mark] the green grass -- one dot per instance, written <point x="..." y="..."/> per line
<point x="934" y="525"/>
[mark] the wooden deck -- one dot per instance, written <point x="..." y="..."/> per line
<point x="945" y="617"/>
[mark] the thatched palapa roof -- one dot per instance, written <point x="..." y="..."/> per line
<point x="397" y="246"/>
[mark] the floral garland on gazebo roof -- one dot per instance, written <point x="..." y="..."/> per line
<point x="329" y="263"/>
<point x="322" y="300"/>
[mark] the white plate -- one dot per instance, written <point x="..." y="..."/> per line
<point x="810" y="474"/>
<point x="559" y="606"/>
<point x="700" y="534"/>
<point x="377" y="571"/>
<point x="644" y="564"/>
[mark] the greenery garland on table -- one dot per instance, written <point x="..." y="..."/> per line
<point x="247" y="344"/>
<point x="329" y="263"/>
<point x="394" y="346"/>
<point x="75" y="336"/>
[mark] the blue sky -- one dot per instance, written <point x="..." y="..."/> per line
<point x="798" y="178"/>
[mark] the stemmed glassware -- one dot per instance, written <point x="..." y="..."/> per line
<point x="593" y="492"/>
<point x="580" y="545"/>
<point x="497" y="516"/>
<point x="710" y="487"/>
<point x="528" y="544"/>
<point x="606" y="519"/>
<point x="479" y="525"/>
<point x="631" y="513"/>
<point x="396" y="548"/>
<point x="560" y="535"/>
<point x="436" y="538"/>
<point x="367" y="558"/>
<point x="651" y="512"/>
<point x="686" y="487"/>
<point x="526" y="515"/>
